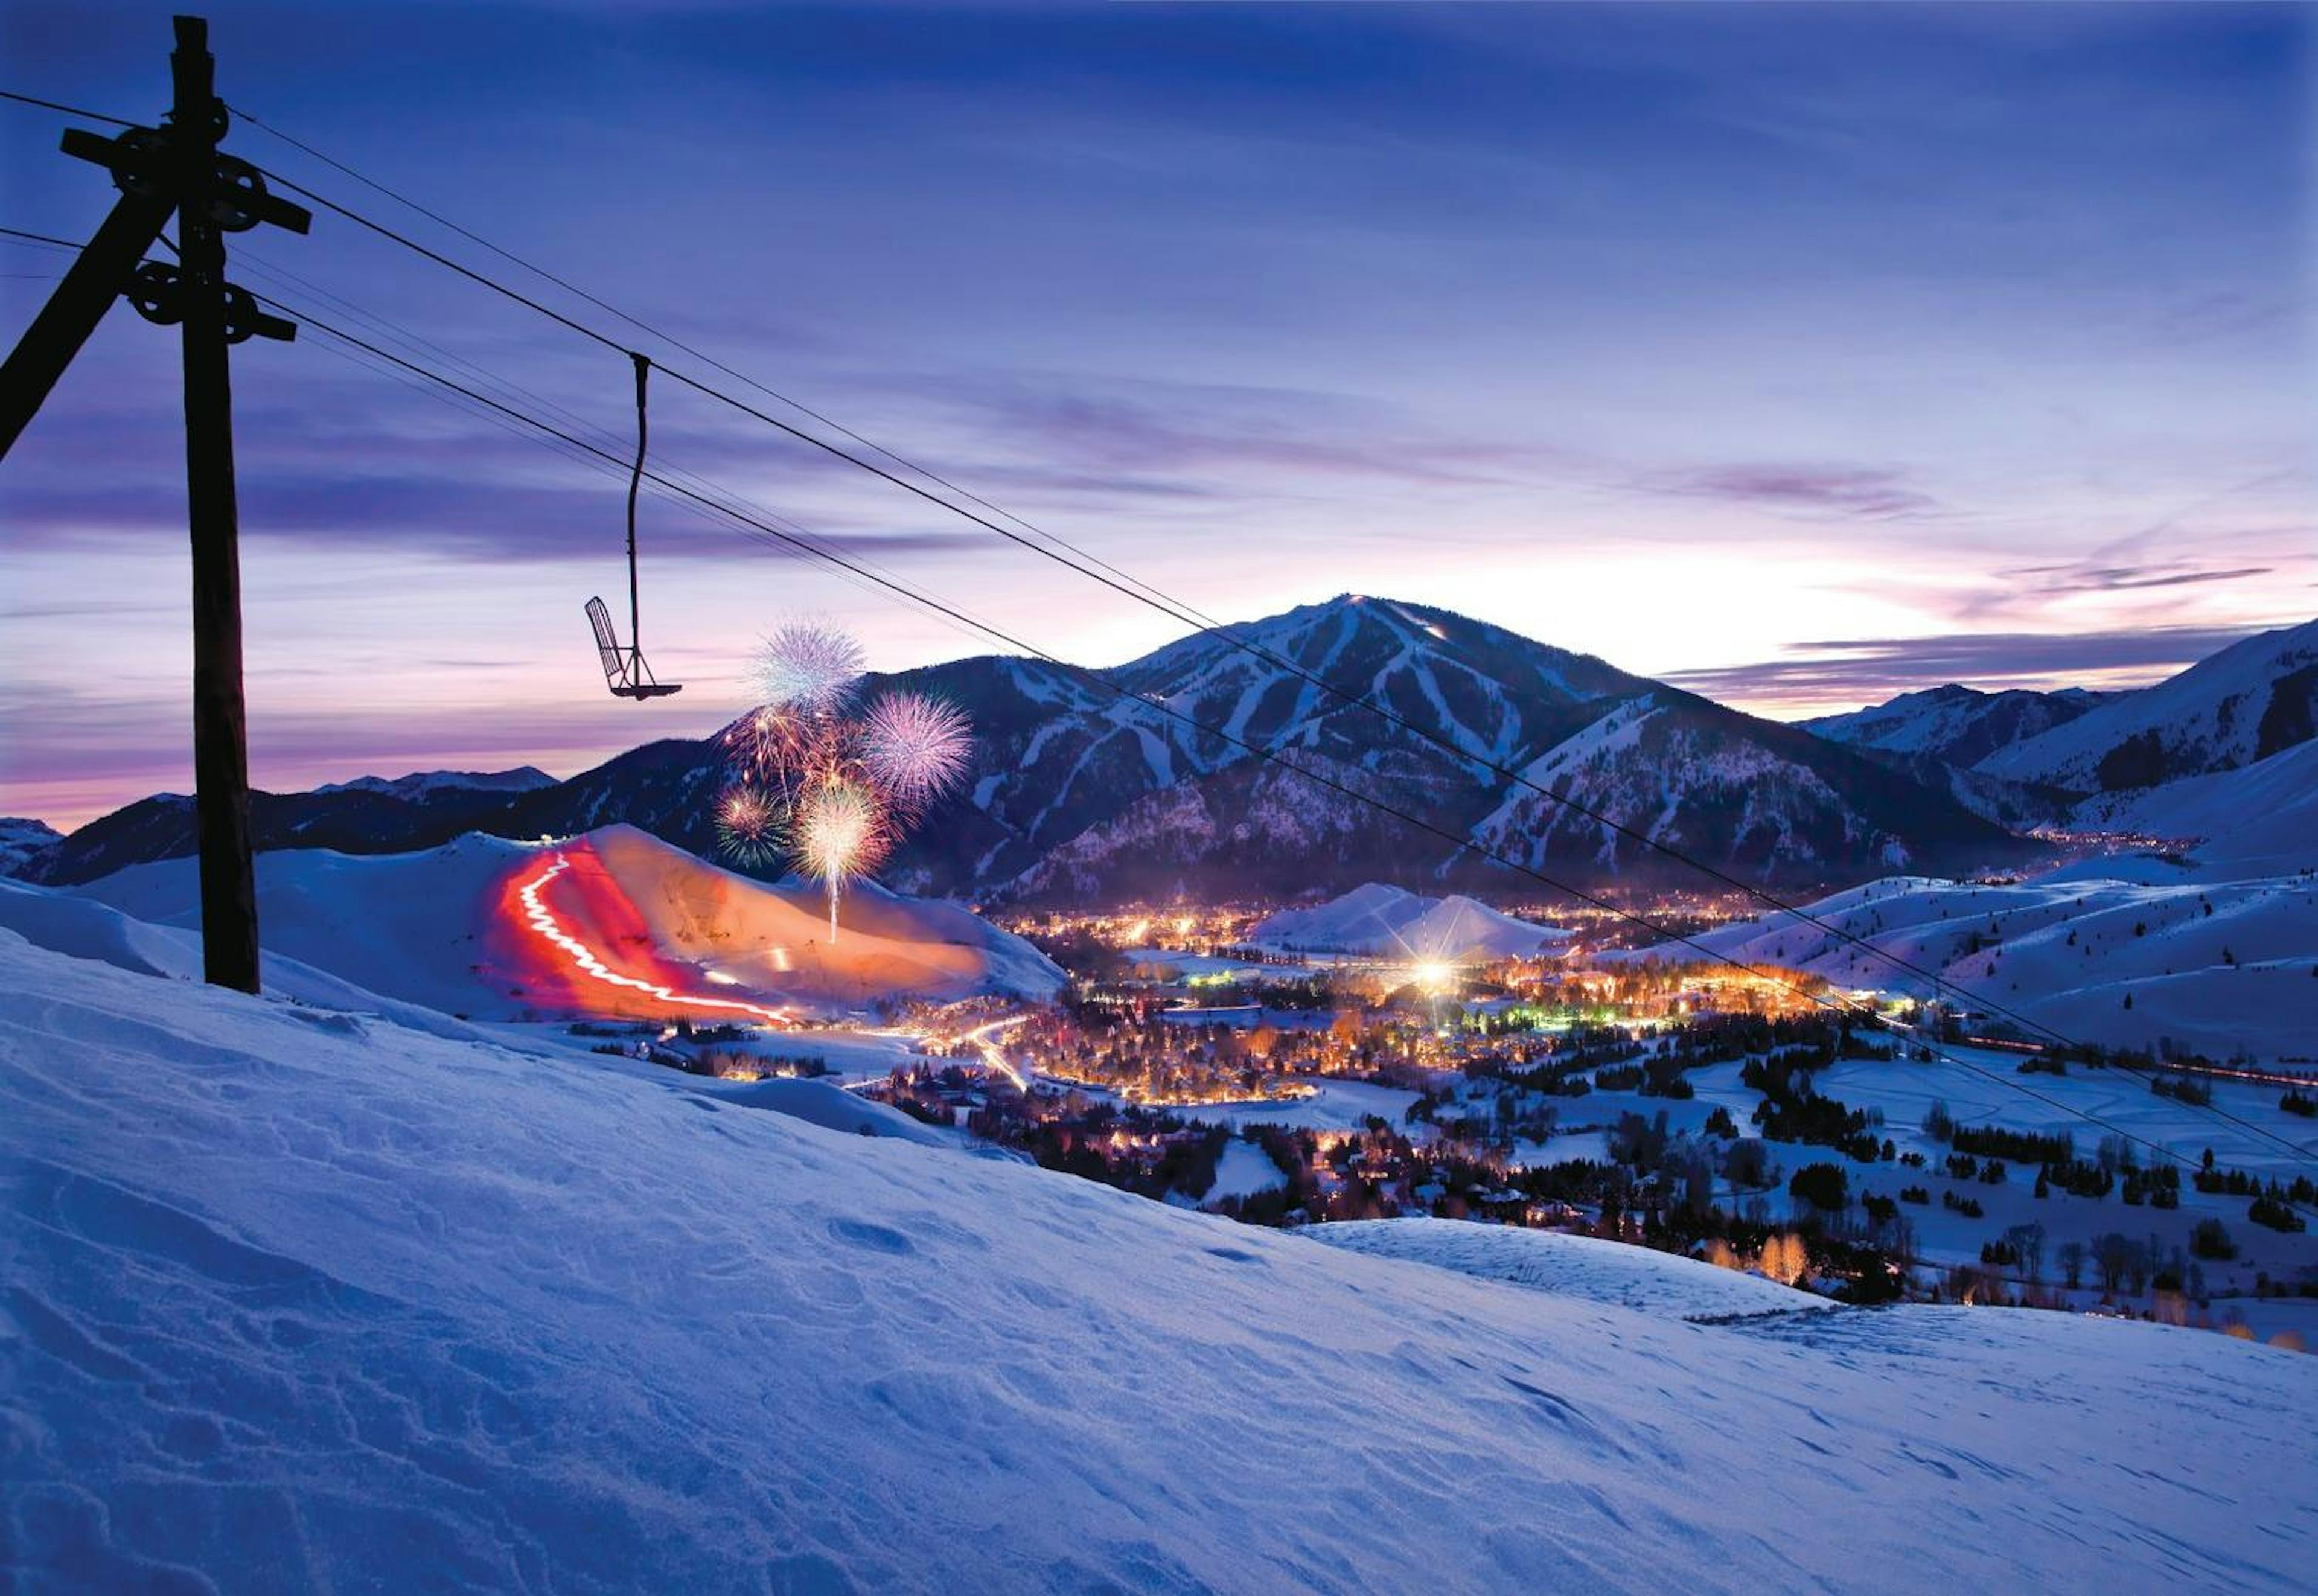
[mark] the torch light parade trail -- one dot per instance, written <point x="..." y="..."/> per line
<point x="583" y="958"/>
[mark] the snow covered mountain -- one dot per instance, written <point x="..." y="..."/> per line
<point x="20" y="839"/>
<point x="2248" y="701"/>
<point x="1387" y="920"/>
<point x="1959" y="724"/>
<point x="365" y="816"/>
<point x="1088" y="794"/>
<point x="424" y="784"/>
<point x="1097" y="785"/>
<point x="297" y="1301"/>
<point x="1762" y="801"/>
<point x="2258" y="821"/>
<point x="2124" y="957"/>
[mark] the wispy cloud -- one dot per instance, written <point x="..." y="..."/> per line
<point x="1820" y="491"/>
<point x="1864" y="670"/>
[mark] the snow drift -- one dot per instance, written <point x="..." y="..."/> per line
<point x="293" y="1307"/>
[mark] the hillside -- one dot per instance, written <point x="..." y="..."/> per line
<point x="2217" y="968"/>
<point x="298" y="1305"/>
<point x="2261" y="820"/>
<point x="2253" y="699"/>
<point x="1955" y="724"/>
<point x="450" y="927"/>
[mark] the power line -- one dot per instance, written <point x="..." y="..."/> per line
<point x="95" y="116"/>
<point x="805" y="543"/>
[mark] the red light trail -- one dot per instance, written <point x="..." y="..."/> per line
<point x="580" y="956"/>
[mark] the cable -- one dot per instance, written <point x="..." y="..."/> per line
<point x="95" y="116"/>
<point x="810" y="547"/>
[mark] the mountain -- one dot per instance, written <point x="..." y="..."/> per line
<point x="298" y="1300"/>
<point x="20" y="839"/>
<point x="1760" y="801"/>
<point x="2251" y="700"/>
<point x="2261" y="820"/>
<point x="353" y="818"/>
<point x="1961" y="725"/>
<point x="421" y="784"/>
<point x="1097" y="785"/>
<point x="1378" y="919"/>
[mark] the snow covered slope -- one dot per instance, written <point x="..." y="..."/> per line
<point x="2262" y="819"/>
<point x="1573" y="1266"/>
<point x="1389" y="921"/>
<point x="449" y="927"/>
<point x="287" y="1309"/>
<point x="2244" y="704"/>
<point x="1957" y="724"/>
<point x="2217" y="966"/>
<point x="20" y="838"/>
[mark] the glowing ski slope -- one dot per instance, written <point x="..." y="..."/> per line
<point x="291" y="1301"/>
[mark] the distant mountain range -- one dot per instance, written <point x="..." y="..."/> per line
<point x="1096" y="786"/>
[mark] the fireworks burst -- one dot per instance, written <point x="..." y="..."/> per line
<point x="808" y="667"/>
<point x="832" y="791"/>
<point x="915" y="748"/>
<point x="751" y="824"/>
<point x="841" y="835"/>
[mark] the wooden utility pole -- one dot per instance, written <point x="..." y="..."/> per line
<point x="178" y="167"/>
<point x="220" y="734"/>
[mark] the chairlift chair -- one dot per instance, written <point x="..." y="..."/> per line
<point x="624" y="670"/>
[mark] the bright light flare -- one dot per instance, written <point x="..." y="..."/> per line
<point x="1434" y="975"/>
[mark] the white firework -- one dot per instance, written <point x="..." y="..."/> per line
<point x="808" y="666"/>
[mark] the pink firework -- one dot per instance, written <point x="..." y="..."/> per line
<point x="841" y="835"/>
<point x="808" y="667"/>
<point x="751" y="824"/>
<point x="914" y="747"/>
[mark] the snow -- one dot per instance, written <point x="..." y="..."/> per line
<point x="291" y="1308"/>
<point x="438" y="927"/>
<point x="420" y="784"/>
<point x="2260" y="820"/>
<point x="2209" y="717"/>
<point x="1335" y="1106"/>
<point x="20" y="838"/>
<point x="1242" y="1170"/>
<point x="2067" y="949"/>
<point x="1391" y="922"/>
<point x="1636" y="1277"/>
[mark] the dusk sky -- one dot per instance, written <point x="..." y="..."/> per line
<point x="1798" y="354"/>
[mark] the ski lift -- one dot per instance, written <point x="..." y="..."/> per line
<point x="624" y="670"/>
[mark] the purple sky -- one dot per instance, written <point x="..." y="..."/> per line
<point x="1799" y="355"/>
